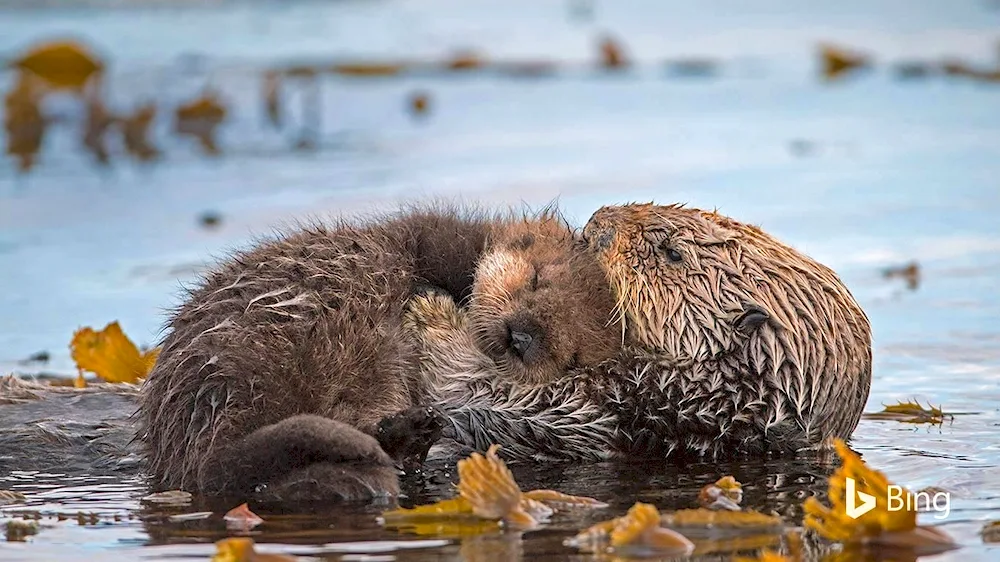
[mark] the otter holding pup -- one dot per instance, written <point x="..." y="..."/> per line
<point x="303" y="368"/>
<point x="291" y="373"/>
<point x="735" y="344"/>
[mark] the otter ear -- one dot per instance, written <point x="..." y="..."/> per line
<point x="752" y="318"/>
<point x="599" y="238"/>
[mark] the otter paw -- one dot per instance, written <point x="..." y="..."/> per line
<point x="409" y="435"/>
<point x="433" y="311"/>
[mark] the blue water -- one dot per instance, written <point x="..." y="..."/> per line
<point x="896" y="171"/>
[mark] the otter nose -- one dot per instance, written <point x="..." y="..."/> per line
<point x="520" y="341"/>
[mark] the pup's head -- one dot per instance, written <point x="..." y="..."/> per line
<point x="541" y="303"/>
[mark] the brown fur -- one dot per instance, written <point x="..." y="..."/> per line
<point x="280" y="365"/>
<point x="789" y="320"/>
<point x="736" y="344"/>
<point x="537" y="285"/>
<point x="492" y="395"/>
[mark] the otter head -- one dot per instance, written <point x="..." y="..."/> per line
<point x="695" y="285"/>
<point x="540" y="302"/>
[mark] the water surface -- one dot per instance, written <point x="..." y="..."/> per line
<point x="865" y="174"/>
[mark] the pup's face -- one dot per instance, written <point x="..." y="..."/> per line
<point x="541" y="304"/>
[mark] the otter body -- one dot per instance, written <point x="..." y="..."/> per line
<point x="735" y="345"/>
<point x="289" y="371"/>
<point x="289" y="354"/>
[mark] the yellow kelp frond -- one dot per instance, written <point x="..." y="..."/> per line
<point x="241" y="549"/>
<point x="706" y="518"/>
<point x="836" y="62"/>
<point x="62" y="64"/>
<point x="765" y="556"/>
<point x="910" y="412"/>
<point x="559" y="500"/>
<point x="638" y="531"/>
<point x="991" y="532"/>
<point x="725" y="493"/>
<point x="111" y="355"/>
<point x="455" y="507"/>
<point x="880" y="512"/>
<point x="488" y="485"/>
<point x="487" y="492"/>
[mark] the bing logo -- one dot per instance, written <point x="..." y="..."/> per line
<point x="867" y="501"/>
<point x="860" y="503"/>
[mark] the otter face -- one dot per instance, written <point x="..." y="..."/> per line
<point x="541" y="304"/>
<point x="668" y="267"/>
<point x="694" y="284"/>
<point x="699" y="287"/>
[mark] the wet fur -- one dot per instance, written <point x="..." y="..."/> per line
<point x="743" y="346"/>
<point x="281" y="364"/>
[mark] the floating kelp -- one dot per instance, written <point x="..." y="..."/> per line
<point x="724" y="493"/>
<point x="910" y="412"/>
<point x="836" y="62"/>
<point x="875" y="522"/>
<point x="136" y="130"/>
<point x="489" y="499"/>
<point x="369" y="69"/>
<point x="712" y="519"/>
<point x="61" y="64"/>
<point x="637" y="533"/>
<point x="465" y="60"/>
<point x="240" y="518"/>
<point x="419" y="103"/>
<point x="24" y="124"/>
<point x="718" y="527"/>
<point x="909" y="273"/>
<point x="200" y="118"/>
<point x="110" y="355"/>
<point x="612" y="54"/>
<point x="241" y="549"/>
<point x="18" y="530"/>
<point x="963" y="70"/>
<point x="991" y="532"/>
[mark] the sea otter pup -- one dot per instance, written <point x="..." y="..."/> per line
<point x="736" y="344"/>
<point x="288" y="371"/>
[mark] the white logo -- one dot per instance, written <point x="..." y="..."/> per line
<point x="867" y="501"/>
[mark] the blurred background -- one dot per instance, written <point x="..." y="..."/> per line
<point x="145" y="138"/>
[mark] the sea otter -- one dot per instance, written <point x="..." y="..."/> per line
<point x="288" y="372"/>
<point x="735" y="344"/>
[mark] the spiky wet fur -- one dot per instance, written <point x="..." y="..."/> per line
<point x="279" y="365"/>
<point x="742" y="347"/>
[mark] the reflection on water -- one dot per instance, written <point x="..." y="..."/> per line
<point x="892" y="182"/>
<point x="66" y="507"/>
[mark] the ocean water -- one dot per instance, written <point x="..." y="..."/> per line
<point x="864" y="174"/>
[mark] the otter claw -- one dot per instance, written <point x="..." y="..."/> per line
<point x="408" y="436"/>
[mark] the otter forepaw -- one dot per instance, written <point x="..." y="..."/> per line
<point x="433" y="311"/>
<point x="409" y="435"/>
